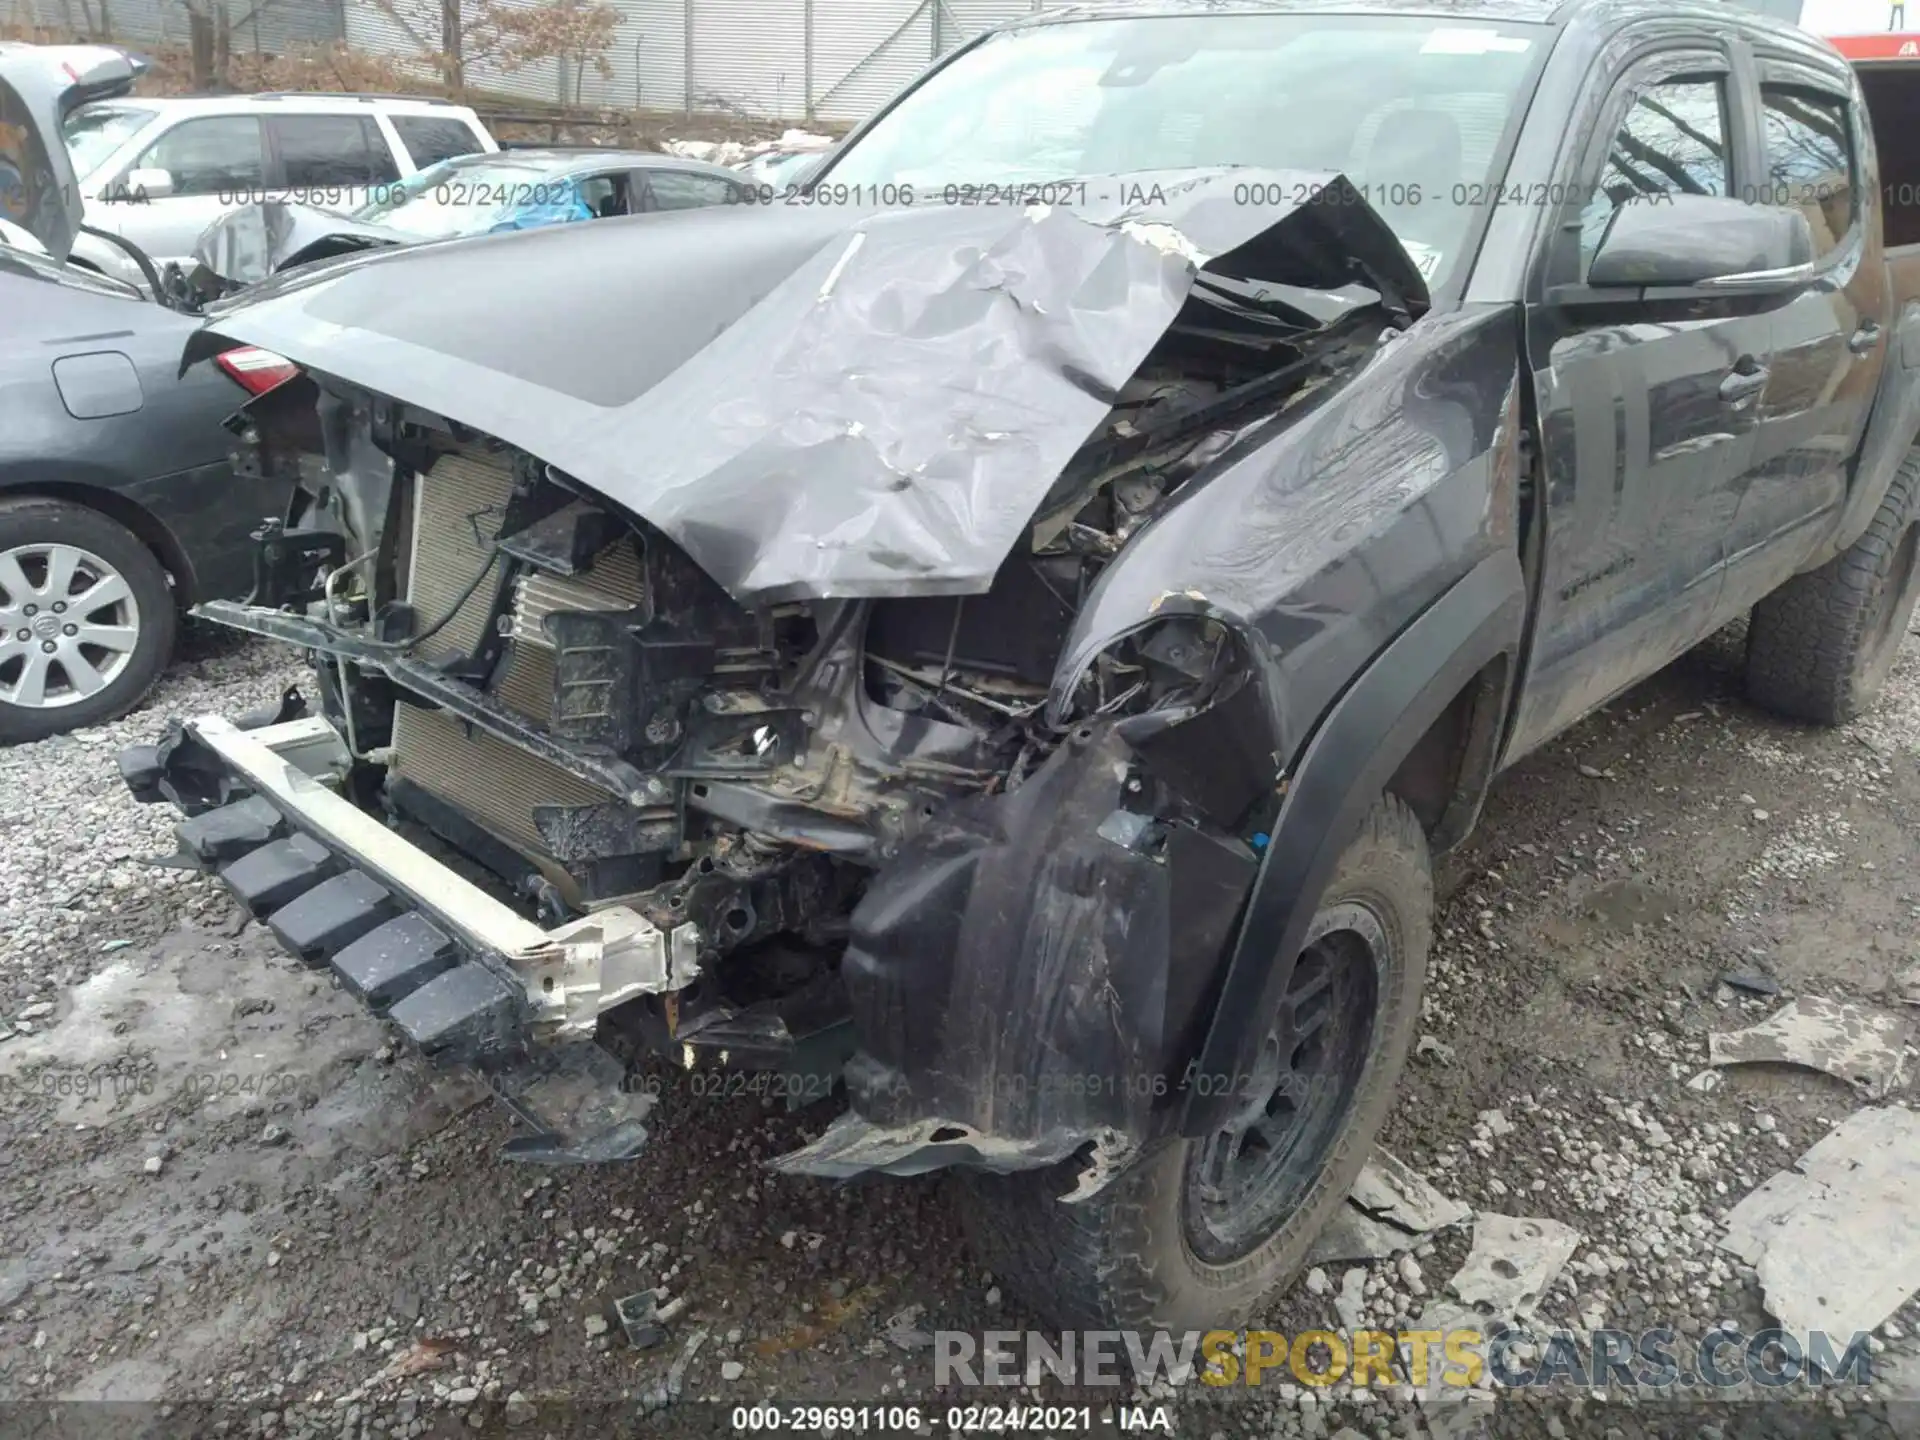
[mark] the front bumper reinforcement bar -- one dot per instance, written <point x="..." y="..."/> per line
<point x="465" y="977"/>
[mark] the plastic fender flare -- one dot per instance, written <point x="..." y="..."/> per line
<point x="1354" y="751"/>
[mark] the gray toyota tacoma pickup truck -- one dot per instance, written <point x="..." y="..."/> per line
<point x="1006" y="627"/>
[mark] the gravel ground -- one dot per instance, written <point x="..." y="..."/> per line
<point x="276" y="1223"/>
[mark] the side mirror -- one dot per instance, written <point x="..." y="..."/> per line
<point x="143" y="185"/>
<point x="1710" y="242"/>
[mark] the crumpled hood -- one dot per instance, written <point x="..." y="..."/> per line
<point x="254" y="241"/>
<point x="814" y="402"/>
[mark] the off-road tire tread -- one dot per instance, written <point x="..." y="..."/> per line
<point x="144" y="575"/>
<point x="1806" y="641"/>
<point x="1090" y="1265"/>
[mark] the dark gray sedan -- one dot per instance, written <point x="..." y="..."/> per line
<point x="118" y="506"/>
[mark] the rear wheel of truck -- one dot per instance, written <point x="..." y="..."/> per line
<point x="1196" y="1233"/>
<point x="1821" y="646"/>
<point x="86" y="618"/>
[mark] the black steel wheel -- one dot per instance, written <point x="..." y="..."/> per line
<point x="1196" y="1233"/>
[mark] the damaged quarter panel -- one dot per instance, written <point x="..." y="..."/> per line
<point x="1035" y="972"/>
<point x="783" y="398"/>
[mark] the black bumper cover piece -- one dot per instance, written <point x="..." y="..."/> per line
<point x="457" y="1007"/>
<point x="1024" y="977"/>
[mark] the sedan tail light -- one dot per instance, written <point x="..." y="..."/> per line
<point x="255" y="370"/>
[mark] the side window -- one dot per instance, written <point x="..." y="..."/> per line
<point x="679" y="190"/>
<point x="1672" y="142"/>
<point x="602" y="194"/>
<point x="1810" y="163"/>
<point x="429" y="139"/>
<point x="221" y="153"/>
<point x="320" y="151"/>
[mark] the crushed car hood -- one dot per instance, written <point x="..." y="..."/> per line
<point x="813" y="402"/>
<point x="254" y="241"/>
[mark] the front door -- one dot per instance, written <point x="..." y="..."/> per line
<point x="331" y="162"/>
<point x="213" y="163"/>
<point x="1648" y="410"/>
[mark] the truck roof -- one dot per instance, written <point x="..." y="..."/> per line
<point x="310" y="101"/>
<point x="1602" y="15"/>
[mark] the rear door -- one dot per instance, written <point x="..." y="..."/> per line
<point x="1648" y="408"/>
<point x="331" y="161"/>
<point x="1829" y="338"/>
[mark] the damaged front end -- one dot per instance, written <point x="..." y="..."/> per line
<point x="736" y="665"/>
<point x="247" y="245"/>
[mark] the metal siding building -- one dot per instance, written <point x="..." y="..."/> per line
<point x="648" y="60"/>
<point x="771" y="59"/>
<point x="268" y="26"/>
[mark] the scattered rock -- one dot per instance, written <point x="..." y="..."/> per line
<point x="1410" y="1276"/>
<point x="731" y="1369"/>
<point x="1351" y="1303"/>
<point x="154" y="1164"/>
<point x="1750" y="982"/>
<point x="275" y="1135"/>
<point x="597" y="1325"/>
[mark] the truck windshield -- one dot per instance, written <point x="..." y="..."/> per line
<point x="93" y="132"/>
<point x="1411" y="108"/>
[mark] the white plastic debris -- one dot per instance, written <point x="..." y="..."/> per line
<point x="1512" y="1262"/>
<point x="1859" y="1043"/>
<point x="1391" y="1208"/>
<point x="1834" y="1239"/>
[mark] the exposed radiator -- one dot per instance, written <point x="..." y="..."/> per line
<point x="458" y="506"/>
<point x="485" y="777"/>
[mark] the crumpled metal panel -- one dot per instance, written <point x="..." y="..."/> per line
<point x="252" y="242"/>
<point x="883" y="420"/>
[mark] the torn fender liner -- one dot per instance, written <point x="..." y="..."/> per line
<point x="1027" y="972"/>
<point x="814" y="404"/>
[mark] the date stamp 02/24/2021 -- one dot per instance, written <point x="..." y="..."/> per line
<point x="126" y="1084"/>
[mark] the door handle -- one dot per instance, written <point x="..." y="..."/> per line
<point x="1862" y="341"/>
<point x="1747" y="379"/>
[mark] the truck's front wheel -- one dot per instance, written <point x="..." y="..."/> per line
<point x="1195" y="1234"/>
<point x="1820" y="647"/>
